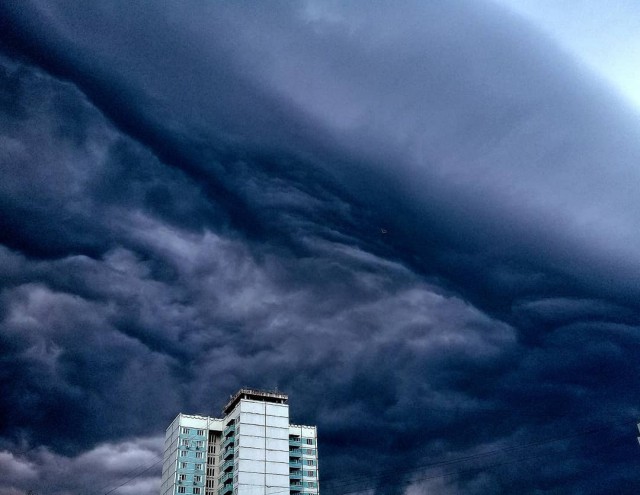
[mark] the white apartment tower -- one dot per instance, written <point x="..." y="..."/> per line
<point x="253" y="450"/>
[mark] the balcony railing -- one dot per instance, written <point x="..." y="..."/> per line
<point x="295" y="452"/>
<point x="227" y="465"/>
<point x="295" y="441"/>
<point x="297" y="475"/>
<point x="225" y="489"/>
<point x="227" y="453"/>
<point x="295" y="464"/>
<point x="229" y="429"/>
<point x="228" y="441"/>
<point x="225" y="477"/>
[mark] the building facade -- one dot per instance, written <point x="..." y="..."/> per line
<point x="252" y="450"/>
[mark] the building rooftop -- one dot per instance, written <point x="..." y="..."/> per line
<point x="253" y="394"/>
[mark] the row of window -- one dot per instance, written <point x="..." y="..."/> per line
<point x="307" y="441"/>
<point x="304" y="473"/>
<point x="196" y="443"/>
<point x="187" y="431"/>
<point x="211" y="471"/>
<point x="304" y="451"/>
<point x="196" y="490"/>
<point x="185" y="453"/>
<point x="196" y="478"/>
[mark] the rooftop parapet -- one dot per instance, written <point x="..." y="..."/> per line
<point x="253" y="394"/>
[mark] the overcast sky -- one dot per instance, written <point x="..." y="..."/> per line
<point x="421" y="220"/>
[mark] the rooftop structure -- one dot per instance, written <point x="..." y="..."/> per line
<point x="252" y="394"/>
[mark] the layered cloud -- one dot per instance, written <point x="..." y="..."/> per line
<point x="421" y="223"/>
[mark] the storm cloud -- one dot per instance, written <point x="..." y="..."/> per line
<point x="421" y="222"/>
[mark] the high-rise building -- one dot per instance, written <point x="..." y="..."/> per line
<point x="252" y="450"/>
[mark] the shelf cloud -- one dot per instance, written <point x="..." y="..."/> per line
<point x="420" y="221"/>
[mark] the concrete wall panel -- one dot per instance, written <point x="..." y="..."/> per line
<point x="281" y="410"/>
<point x="251" y="407"/>
<point x="278" y="421"/>
<point x="278" y="433"/>
<point x="277" y="468"/>
<point x="273" y="444"/>
<point x="251" y="431"/>
<point x="251" y="418"/>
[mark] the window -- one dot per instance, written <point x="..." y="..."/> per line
<point x="309" y="441"/>
<point x="310" y="451"/>
<point x="200" y="432"/>
<point x="183" y="465"/>
<point x="182" y="477"/>
<point x="198" y="466"/>
<point x="196" y="490"/>
<point x="200" y="443"/>
<point x="199" y="455"/>
<point x="182" y="489"/>
<point x="184" y="453"/>
<point x="184" y="442"/>
<point x="197" y="479"/>
<point x="212" y="449"/>
<point x="309" y="473"/>
<point x="310" y="462"/>
<point x="185" y="431"/>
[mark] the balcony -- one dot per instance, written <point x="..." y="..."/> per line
<point x="225" y="477"/>
<point x="295" y="475"/>
<point x="295" y="452"/>
<point x="229" y="429"/>
<point x="228" y="453"/>
<point x="225" y="489"/>
<point x="227" y="465"/>
<point x="295" y="464"/>
<point x="295" y="442"/>
<point x="228" y="441"/>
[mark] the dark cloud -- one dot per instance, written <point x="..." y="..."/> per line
<point x="421" y="223"/>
